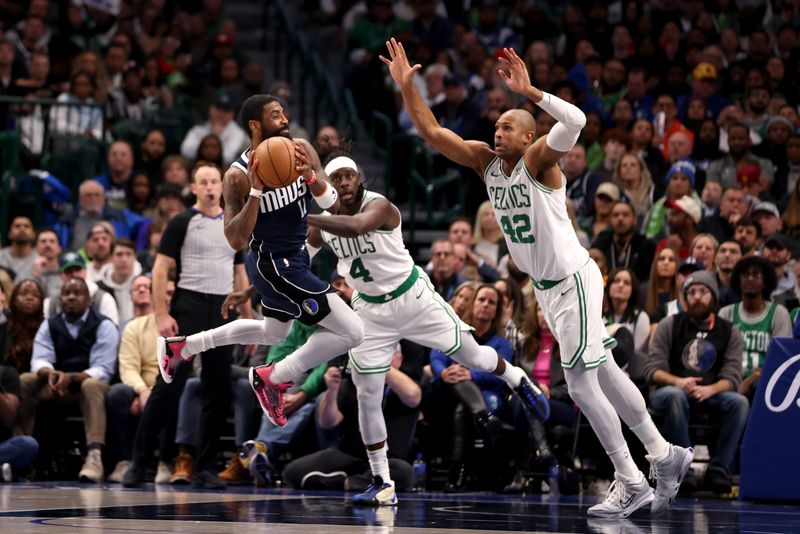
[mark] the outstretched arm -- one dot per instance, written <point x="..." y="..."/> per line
<point x="473" y="154"/>
<point x="547" y="150"/>
<point x="378" y="214"/>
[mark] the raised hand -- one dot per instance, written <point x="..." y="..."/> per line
<point x="307" y="158"/>
<point x="401" y="70"/>
<point x="517" y="78"/>
<point x="252" y="172"/>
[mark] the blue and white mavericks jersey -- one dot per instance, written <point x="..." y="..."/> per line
<point x="282" y="219"/>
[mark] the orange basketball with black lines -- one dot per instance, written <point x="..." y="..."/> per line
<point x="276" y="162"/>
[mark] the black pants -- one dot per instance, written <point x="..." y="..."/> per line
<point x="359" y="476"/>
<point x="194" y="312"/>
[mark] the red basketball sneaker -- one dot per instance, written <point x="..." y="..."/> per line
<point x="169" y="356"/>
<point x="269" y="395"/>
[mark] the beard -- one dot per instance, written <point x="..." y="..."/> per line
<point x="100" y="256"/>
<point x="698" y="312"/>
<point x="751" y="294"/>
<point x="282" y="131"/>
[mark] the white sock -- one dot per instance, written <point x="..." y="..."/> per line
<point x="624" y="464"/>
<point x="513" y="375"/>
<point x="242" y="331"/>
<point x="657" y="447"/>
<point x="485" y="359"/>
<point x="379" y="464"/>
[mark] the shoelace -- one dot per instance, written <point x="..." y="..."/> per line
<point x="654" y="473"/>
<point x="615" y="491"/>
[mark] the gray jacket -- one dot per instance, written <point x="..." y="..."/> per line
<point x="658" y="359"/>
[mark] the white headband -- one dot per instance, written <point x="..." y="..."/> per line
<point x="337" y="164"/>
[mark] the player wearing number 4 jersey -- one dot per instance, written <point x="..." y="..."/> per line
<point x="272" y="224"/>
<point x="396" y="300"/>
<point x="527" y="190"/>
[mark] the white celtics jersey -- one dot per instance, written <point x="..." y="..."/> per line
<point x="375" y="263"/>
<point x="534" y="220"/>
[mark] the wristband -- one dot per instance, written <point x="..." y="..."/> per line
<point x="311" y="180"/>
<point x="327" y="198"/>
<point x="255" y="192"/>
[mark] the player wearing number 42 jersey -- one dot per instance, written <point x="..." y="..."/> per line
<point x="396" y="300"/>
<point x="527" y="190"/>
<point x="272" y="224"/>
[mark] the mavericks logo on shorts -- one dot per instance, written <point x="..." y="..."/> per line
<point x="310" y="306"/>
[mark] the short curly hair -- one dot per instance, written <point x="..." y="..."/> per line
<point x="768" y="274"/>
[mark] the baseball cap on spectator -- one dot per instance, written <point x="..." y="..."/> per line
<point x="224" y="101"/>
<point x="222" y="39"/>
<point x="683" y="166"/>
<point x="704" y="71"/>
<point x="169" y="190"/>
<point x="690" y="265"/>
<point x="778" y="239"/>
<point x="766" y="207"/>
<point x="71" y="260"/>
<point x="687" y="205"/>
<point x="748" y="174"/>
<point x="704" y="278"/>
<point x="609" y="189"/>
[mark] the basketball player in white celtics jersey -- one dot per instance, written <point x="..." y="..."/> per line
<point x="527" y="190"/>
<point x="395" y="300"/>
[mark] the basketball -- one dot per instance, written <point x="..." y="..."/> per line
<point x="276" y="162"/>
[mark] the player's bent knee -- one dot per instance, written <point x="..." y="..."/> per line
<point x="275" y="331"/>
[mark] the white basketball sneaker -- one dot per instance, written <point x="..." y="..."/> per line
<point x="669" y="474"/>
<point x="623" y="498"/>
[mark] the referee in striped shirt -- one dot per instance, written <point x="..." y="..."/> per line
<point x="207" y="269"/>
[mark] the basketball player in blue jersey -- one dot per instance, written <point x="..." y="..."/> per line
<point x="396" y="300"/>
<point x="272" y="224"/>
<point x="527" y="190"/>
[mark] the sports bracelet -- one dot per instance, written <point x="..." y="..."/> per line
<point x="255" y="192"/>
<point x="311" y="180"/>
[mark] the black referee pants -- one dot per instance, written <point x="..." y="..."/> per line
<point x="194" y="312"/>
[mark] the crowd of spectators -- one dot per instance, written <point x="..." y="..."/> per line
<point x="684" y="186"/>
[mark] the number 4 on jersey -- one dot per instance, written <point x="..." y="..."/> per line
<point x="520" y="230"/>
<point x="357" y="270"/>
